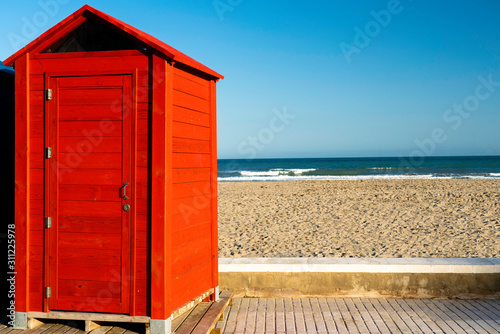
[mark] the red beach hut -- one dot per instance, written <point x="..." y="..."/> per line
<point x="116" y="170"/>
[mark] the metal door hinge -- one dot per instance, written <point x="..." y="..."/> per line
<point x="47" y="292"/>
<point x="49" y="94"/>
<point x="48" y="222"/>
<point x="49" y="152"/>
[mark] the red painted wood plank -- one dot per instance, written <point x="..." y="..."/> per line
<point x="72" y="241"/>
<point x="191" y="160"/>
<point x="90" y="208"/>
<point x="105" y="257"/>
<point x="142" y="306"/>
<point x="142" y="127"/>
<point x="143" y="158"/>
<point x="84" y="129"/>
<point x="186" y="85"/>
<point x="37" y="82"/>
<point x="141" y="191"/>
<point x="89" y="272"/>
<point x="189" y="206"/>
<point x="143" y="174"/>
<point x="36" y="145"/>
<point x="183" y="175"/>
<point x="185" y="145"/>
<point x="36" y="222"/>
<point x="180" y="237"/>
<point x="190" y="248"/>
<point x="37" y="160"/>
<point x="91" y="81"/>
<point x="95" y="112"/>
<point x="89" y="193"/>
<point x="142" y="207"/>
<point x="190" y="116"/>
<point x="37" y="114"/>
<point x="143" y="143"/>
<point x="106" y="96"/>
<point x="184" y="100"/>
<point x="36" y="191"/>
<point x="142" y="240"/>
<point x="94" y="160"/>
<point x="141" y="288"/>
<point x="193" y="283"/>
<point x="182" y="190"/>
<point x="189" y="264"/>
<point x="142" y="223"/>
<point x="75" y="224"/>
<point x="36" y="237"/>
<point x="36" y="129"/>
<point x="36" y="269"/>
<point x="195" y="217"/>
<point x="161" y="176"/>
<point x="36" y="284"/>
<point x="36" y="98"/>
<point x="143" y="111"/>
<point x="90" y="177"/>
<point x="36" y="176"/>
<point x="82" y="288"/>
<point x="35" y="301"/>
<point x="36" y="207"/>
<point x="89" y="304"/>
<point x="36" y="253"/>
<point x="95" y="64"/>
<point x="190" y="76"/>
<point x="92" y="142"/>
<point x="184" y="130"/>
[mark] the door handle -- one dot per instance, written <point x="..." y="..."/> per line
<point x="125" y="197"/>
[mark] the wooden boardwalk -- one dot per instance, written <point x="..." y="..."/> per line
<point x="361" y="315"/>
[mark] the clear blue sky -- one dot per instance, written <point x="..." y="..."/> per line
<point x="354" y="85"/>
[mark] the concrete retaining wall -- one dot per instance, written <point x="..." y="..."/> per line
<point x="411" y="277"/>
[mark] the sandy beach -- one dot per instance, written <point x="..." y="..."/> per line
<point x="360" y="218"/>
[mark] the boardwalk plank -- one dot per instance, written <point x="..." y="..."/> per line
<point x="241" y="317"/>
<point x="442" y="316"/>
<point x="327" y="316"/>
<point x="280" y="315"/>
<point x="337" y="316"/>
<point x="270" y="315"/>
<point x="346" y="316"/>
<point x="465" y="315"/>
<point x="308" y="316"/>
<point x="260" y="323"/>
<point x="393" y="328"/>
<point x="358" y="319"/>
<point x="494" y="326"/>
<point x="382" y="327"/>
<point x="401" y="312"/>
<point x="442" y="323"/>
<point x="365" y="315"/>
<point x="421" y="318"/>
<point x="318" y="315"/>
<point x="300" y="321"/>
<point x="439" y="303"/>
<point x="486" y="310"/>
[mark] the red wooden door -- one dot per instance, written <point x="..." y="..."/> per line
<point x="89" y="131"/>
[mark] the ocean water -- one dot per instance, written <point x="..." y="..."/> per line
<point x="358" y="168"/>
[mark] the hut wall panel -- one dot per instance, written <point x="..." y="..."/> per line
<point x="191" y="206"/>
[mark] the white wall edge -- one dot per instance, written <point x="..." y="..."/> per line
<point x="362" y="265"/>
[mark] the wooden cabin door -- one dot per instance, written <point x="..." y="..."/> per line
<point x="88" y="193"/>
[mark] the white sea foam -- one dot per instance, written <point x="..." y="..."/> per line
<point x="495" y="174"/>
<point x="324" y="177"/>
<point x="275" y="172"/>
